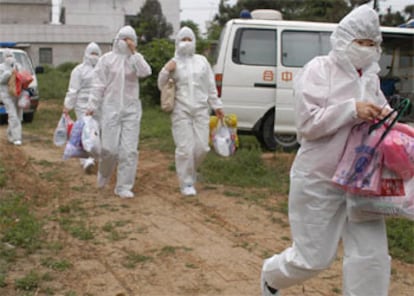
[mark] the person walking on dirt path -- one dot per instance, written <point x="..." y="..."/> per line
<point x="80" y="84"/>
<point x="115" y="90"/>
<point x="14" y="113"/>
<point x="195" y="91"/>
<point x="333" y="93"/>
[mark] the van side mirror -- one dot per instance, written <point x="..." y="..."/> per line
<point x="39" y="70"/>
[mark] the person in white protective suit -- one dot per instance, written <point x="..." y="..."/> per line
<point x="333" y="93"/>
<point x="14" y="113"/>
<point x="195" y="91"/>
<point x="80" y="84"/>
<point x="115" y="90"/>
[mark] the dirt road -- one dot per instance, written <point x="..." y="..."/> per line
<point x="158" y="243"/>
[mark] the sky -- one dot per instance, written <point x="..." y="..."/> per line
<point x="201" y="11"/>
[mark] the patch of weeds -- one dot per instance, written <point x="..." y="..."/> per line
<point x="232" y="194"/>
<point x="279" y="221"/>
<point x="59" y="265"/>
<point x="171" y="167"/>
<point x="45" y="163"/>
<point x="171" y="250"/>
<point x="283" y="207"/>
<point x="132" y="259"/>
<point x="337" y="290"/>
<point x="191" y="265"/>
<point x="2" y="280"/>
<point x="247" y="246"/>
<point x="70" y="293"/>
<point x="77" y="229"/>
<point x="29" y="282"/>
<point x="55" y="246"/>
<point x="3" y="177"/>
<point x="20" y="228"/>
<point x="285" y="238"/>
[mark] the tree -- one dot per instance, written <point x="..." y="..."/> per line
<point x="151" y="23"/>
<point x="392" y="19"/>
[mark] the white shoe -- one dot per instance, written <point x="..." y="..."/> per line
<point x="88" y="165"/>
<point x="124" y="193"/>
<point x="266" y="289"/>
<point x="189" y="191"/>
<point x="17" y="143"/>
<point x="102" y="181"/>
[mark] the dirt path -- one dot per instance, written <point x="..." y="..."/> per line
<point x="158" y="243"/>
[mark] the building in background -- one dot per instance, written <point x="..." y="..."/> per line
<point x="27" y="24"/>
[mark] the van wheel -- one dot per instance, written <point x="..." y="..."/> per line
<point x="3" y="118"/>
<point x="270" y="140"/>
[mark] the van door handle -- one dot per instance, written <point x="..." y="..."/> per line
<point x="269" y="85"/>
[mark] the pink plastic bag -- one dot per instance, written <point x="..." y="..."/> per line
<point x="360" y="168"/>
<point x="398" y="150"/>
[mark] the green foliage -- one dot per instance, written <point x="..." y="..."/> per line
<point x="401" y="239"/>
<point x="156" y="53"/>
<point x="53" y="83"/>
<point x="156" y="130"/>
<point x="392" y="19"/>
<point x="151" y="23"/>
<point x="29" y="282"/>
<point x="18" y="225"/>
<point x="3" y="177"/>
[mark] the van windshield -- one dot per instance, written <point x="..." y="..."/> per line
<point x="22" y="60"/>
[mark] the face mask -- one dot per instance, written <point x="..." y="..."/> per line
<point x="362" y="56"/>
<point x="186" y="48"/>
<point x="9" y="61"/>
<point x="94" y="59"/>
<point x="123" y="47"/>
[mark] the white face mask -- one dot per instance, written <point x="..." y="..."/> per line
<point x="186" y="48"/>
<point x="9" y="61"/>
<point x="362" y="56"/>
<point x="94" y="59"/>
<point x="123" y="47"/>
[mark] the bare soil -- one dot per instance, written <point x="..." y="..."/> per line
<point x="158" y="243"/>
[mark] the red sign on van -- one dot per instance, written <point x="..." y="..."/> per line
<point x="287" y="76"/>
<point x="268" y="75"/>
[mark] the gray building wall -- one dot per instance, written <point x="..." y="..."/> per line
<point x="25" y="11"/>
<point x="111" y="13"/>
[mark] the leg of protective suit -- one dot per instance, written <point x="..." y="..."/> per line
<point x="317" y="214"/>
<point x="128" y="152"/>
<point x="183" y="134"/>
<point x="110" y="144"/>
<point x="201" y="134"/>
<point x="14" y="129"/>
<point x="366" y="264"/>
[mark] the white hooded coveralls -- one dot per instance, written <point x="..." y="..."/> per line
<point x="195" y="91"/>
<point x="14" y="113"/>
<point x="80" y="85"/>
<point x="326" y="94"/>
<point x="115" y="89"/>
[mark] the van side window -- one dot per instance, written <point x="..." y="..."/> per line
<point x="298" y="48"/>
<point x="255" y="47"/>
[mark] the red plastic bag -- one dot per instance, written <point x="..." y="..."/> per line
<point x="19" y="81"/>
<point x="398" y="150"/>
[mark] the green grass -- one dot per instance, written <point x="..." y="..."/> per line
<point x="401" y="239"/>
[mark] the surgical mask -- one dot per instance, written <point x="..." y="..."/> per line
<point x="93" y="59"/>
<point x="186" y="48"/>
<point x="362" y="56"/>
<point x="123" y="47"/>
<point x="9" y="61"/>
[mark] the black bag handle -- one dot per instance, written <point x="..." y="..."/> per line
<point x="400" y="109"/>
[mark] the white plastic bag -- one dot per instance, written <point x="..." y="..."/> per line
<point x="74" y="146"/>
<point x="361" y="208"/>
<point x="62" y="131"/>
<point x="222" y="140"/>
<point x="24" y="100"/>
<point x="91" y="138"/>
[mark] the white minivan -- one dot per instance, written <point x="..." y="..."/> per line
<point x="24" y="60"/>
<point x="257" y="60"/>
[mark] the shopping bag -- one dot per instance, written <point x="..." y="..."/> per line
<point x="398" y="150"/>
<point x="74" y="146"/>
<point x="25" y="78"/>
<point x="360" y="169"/>
<point x="231" y="121"/>
<point x="62" y="130"/>
<point x="360" y="207"/>
<point x="91" y="137"/>
<point x="223" y="143"/>
<point x="24" y="100"/>
<point x="168" y="96"/>
<point x="14" y="86"/>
